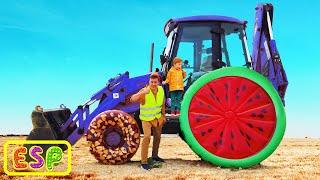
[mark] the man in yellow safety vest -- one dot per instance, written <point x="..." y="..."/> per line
<point x="152" y="116"/>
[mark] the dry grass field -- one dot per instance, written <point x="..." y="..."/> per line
<point x="294" y="159"/>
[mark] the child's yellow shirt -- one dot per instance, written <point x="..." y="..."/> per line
<point x="175" y="79"/>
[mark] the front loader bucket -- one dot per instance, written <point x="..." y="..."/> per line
<point x="47" y="123"/>
<point x="56" y="119"/>
<point x="46" y="126"/>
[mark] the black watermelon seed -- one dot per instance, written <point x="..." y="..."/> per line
<point x="212" y="90"/>
<point x="250" y="100"/>
<point x="248" y="137"/>
<point x="244" y="87"/>
<point x="221" y="134"/>
<point x="231" y="147"/>
<point x="237" y="98"/>
<point x="201" y="104"/>
<point x="226" y="97"/>
<point x="241" y="133"/>
<point x="250" y="125"/>
<point x="203" y="133"/>
<point x="209" y="106"/>
<point x="260" y="129"/>
<point x="257" y="96"/>
<point x="215" y="143"/>
<point x="198" y="119"/>
<point x="220" y="141"/>
<point x="261" y="116"/>
<point x="264" y="111"/>
<point x="248" y="143"/>
<point x="237" y="90"/>
<point x="209" y="130"/>
<point x="232" y="135"/>
<point x="226" y="86"/>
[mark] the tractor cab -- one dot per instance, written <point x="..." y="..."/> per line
<point x="203" y="42"/>
<point x="208" y="43"/>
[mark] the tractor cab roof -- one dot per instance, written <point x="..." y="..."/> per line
<point x="172" y="23"/>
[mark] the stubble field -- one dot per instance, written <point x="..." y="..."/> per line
<point x="294" y="159"/>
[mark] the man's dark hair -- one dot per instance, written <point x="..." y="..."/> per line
<point x="155" y="76"/>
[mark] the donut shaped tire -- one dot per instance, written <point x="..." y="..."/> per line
<point x="113" y="137"/>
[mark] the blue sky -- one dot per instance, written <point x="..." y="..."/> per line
<point x="54" y="52"/>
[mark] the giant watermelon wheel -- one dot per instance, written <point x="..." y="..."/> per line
<point x="232" y="117"/>
<point x="113" y="137"/>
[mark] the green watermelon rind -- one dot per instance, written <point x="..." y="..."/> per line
<point x="225" y="162"/>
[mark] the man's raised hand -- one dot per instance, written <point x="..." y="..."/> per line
<point x="146" y="90"/>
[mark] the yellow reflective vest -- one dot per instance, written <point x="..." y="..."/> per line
<point x="152" y="108"/>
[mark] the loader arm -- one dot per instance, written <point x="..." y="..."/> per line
<point x="115" y="95"/>
<point x="265" y="55"/>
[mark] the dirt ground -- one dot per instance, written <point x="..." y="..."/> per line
<point x="294" y="159"/>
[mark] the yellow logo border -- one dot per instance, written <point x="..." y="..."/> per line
<point x="15" y="142"/>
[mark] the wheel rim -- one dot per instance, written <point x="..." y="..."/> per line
<point x="235" y="161"/>
<point x="236" y="114"/>
<point x="113" y="137"/>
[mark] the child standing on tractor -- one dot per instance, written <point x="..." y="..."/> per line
<point x="175" y="78"/>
